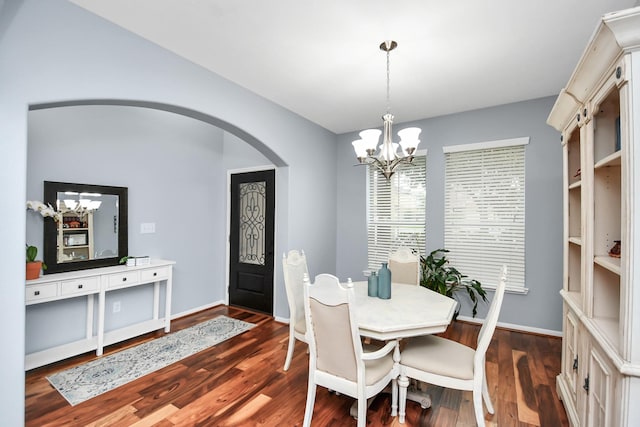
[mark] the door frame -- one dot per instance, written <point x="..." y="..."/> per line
<point x="230" y="172"/>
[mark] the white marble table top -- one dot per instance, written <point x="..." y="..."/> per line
<point x="411" y="311"/>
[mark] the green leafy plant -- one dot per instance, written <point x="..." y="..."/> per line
<point x="32" y="253"/>
<point x="439" y="276"/>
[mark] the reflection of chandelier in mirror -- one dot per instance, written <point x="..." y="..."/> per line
<point x="81" y="206"/>
<point x="388" y="158"/>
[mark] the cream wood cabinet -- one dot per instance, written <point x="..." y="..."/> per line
<point x="93" y="285"/>
<point x="75" y="237"/>
<point x="598" y="114"/>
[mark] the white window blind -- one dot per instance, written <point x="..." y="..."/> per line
<point x="396" y="211"/>
<point x="484" y="211"/>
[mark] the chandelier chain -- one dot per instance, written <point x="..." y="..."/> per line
<point x="388" y="84"/>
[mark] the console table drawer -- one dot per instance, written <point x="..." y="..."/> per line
<point x="86" y="285"/>
<point x="154" y="274"/>
<point x="38" y="292"/>
<point x="122" y="279"/>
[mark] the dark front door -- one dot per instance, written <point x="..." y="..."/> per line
<point x="251" y="240"/>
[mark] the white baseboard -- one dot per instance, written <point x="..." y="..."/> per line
<point x="281" y="319"/>
<point x="522" y="328"/>
<point x="196" y="309"/>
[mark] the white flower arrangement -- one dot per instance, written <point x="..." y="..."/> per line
<point x="44" y="210"/>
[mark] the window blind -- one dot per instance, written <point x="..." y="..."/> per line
<point x="485" y="213"/>
<point x="396" y="211"/>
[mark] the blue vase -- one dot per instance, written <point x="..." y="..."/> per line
<point x="384" y="282"/>
<point x="373" y="284"/>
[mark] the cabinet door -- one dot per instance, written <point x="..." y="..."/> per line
<point x="570" y="362"/>
<point x="600" y="393"/>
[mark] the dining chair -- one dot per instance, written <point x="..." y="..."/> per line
<point x="337" y="359"/>
<point x="446" y="363"/>
<point x="294" y="266"/>
<point x="405" y="266"/>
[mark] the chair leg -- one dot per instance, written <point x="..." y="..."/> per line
<point x="403" y="383"/>
<point x="477" y="406"/>
<point x="292" y="343"/>
<point x="311" y="400"/>
<point x="362" y="411"/>
<point x="485" y="395"/>
<point x="394" y="397"/>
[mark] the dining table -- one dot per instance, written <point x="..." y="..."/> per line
<point x="411" y="311"/>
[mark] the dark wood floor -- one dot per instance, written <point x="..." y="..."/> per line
<point x="240" y="382"/>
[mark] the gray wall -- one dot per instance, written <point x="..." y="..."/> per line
<point x="54" y="52"/>
<point x="542" y="307"/>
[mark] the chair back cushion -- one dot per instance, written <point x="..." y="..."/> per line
<point x="332" y="331"/>
<point x="334" y="346"/>
<point x="405" y="266"/>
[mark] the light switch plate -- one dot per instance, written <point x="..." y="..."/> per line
<point x="147" y="227"/>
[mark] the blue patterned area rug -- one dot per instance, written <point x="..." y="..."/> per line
<point x="91" y="379"/>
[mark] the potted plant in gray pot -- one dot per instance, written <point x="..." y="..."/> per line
<point x="436" y="274"/>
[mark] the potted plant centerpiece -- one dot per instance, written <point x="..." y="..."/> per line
<point x="437" y="275"/>
<point x="33" y="266"/>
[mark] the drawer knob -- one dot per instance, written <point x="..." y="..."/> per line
<point x="124" y="279"/>
<point x="80" y="286"/>
<point x="36" y="293"/>
<point x="155" y="274"/>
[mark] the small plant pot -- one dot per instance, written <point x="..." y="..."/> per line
<point x="33" y="270"/>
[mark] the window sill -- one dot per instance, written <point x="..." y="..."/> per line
<point x="509" y="289"/>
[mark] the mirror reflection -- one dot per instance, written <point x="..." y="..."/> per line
<point x="89" y="226"/>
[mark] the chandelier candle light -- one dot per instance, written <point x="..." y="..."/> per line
<point x="388" y="158"/>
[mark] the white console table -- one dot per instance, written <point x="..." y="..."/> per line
<point x="97" y="282"/>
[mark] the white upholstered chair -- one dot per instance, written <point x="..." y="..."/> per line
<point x="294" y="267"/>
<point x="405" y="266"/>
<point x="337" y="360"/>
<point x="447" y="363"/>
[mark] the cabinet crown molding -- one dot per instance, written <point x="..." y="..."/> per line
<point x="617" y="33"/>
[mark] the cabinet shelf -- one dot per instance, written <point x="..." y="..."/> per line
<point x="575" y="185"/>
<point x="574" y="299"/>
<point x="576" y="240"/>
<point x="613" y="159"/>
<point x="610" y="263"/>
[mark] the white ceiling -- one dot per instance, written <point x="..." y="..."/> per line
<point x="321" y="59"/>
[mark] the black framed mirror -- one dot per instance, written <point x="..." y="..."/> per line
<point x="92" y="228"/>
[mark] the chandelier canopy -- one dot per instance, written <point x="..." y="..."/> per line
<point x="388" y="157"/>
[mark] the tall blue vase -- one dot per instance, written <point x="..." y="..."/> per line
<point x="384" y="282"/>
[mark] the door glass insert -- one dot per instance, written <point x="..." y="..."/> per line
<point x="252" y="222"/>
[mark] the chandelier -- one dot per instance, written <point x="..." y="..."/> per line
<point x="388" y="157"/>
<point x="82" y="206"/>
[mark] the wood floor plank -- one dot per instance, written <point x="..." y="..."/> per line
<point x="155" y="417"/>
<point x="525" y="391"/>
<point x="241" y="382"/>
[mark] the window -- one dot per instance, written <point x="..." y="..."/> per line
<point x="484" y="221"/>
<point x="396" y="211"/>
